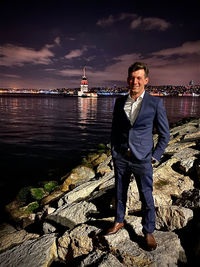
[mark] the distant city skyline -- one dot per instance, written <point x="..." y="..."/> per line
<point x="46" y="44"/>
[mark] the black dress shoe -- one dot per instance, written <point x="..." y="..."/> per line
<point x="113" y="230"/>
<point x="150" y="242"/>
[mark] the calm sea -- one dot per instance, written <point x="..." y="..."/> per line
<point x="43" y="137"/>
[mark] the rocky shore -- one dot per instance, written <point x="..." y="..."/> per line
<point x="63" y="224"/>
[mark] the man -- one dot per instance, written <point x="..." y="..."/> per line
<point x="134" y="119"/>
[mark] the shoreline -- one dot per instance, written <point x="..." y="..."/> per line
<point x="69" y="215"/>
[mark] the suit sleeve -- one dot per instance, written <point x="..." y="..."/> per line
<point x="162" y="126"/>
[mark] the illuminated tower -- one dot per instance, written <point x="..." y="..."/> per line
<point x="84" y="85"/>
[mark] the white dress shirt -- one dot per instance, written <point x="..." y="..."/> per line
<point x="132" y="107"/>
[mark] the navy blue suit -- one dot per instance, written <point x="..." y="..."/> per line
<point x="139" y="139"/>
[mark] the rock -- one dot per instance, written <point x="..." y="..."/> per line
<point x="189" y="199"/>
<point x="24" y="215"/>
<point x="167" y="253"/>
<point x="55" y="195"/>
<point x="109" y="183"/>
<point x="80" y="240"/>
<point x="185" y="128"/>
<point x="84" y="190"/>
<point x="48" y="228"/>
<point x="6" y="229"/>
<point x="73" y="214"/>
<point x="135" y="223"/>
<point x="168" y="182"/>
<point x="172" y="217"/>
<point x="133" y="200"/>
<point x="99" y="160"/>
<point x="192" y="136"/>
<point x="31" y="253"/>
<point x="78" y="175"/>
<point x="121" y="236"/>
<point x="103" y="166"/>
<point x="12" y="239"/>
<point x="100" y="259"/>
<point x="176" y="147"/>
<point x="186" y="159"/>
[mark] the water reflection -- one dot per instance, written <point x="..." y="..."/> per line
<point x="179" y="107"/>
<point x="87" y="110"/>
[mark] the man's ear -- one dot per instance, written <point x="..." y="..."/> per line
<point x="146" y="80"/>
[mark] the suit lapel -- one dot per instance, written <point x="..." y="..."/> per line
<point x="144" y="103"/>
<point x="122" y="107"/>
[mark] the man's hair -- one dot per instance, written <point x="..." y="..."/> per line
<point x="138" y="66"/>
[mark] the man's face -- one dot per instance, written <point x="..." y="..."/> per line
<point x="137" y="82"/>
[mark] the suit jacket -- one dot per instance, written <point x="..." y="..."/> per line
<point x="139" y="137"/>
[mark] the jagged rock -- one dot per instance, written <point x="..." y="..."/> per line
<point x="23" y="215"/>
<point x="186" y="159"/>
<point x="84" y="190"/>
<point x="121" y="236"/>
<point x="168" y="182"/>
<point x="172" y="217"/>
<point x="52" y="197"/>
<point x="133" y="200"/>
<point x="103" y="166"/>
<point x="6" y="229"/>
<point x="79" y="239"/>
<point x="99" y="160"/>
<point x="176" y="147"/>
<point x="48" y="228"/>
<point x="31" y="253"/>
<point x="109" y="183"/>
<point x="135" y="223"/>
<point x="131" y="254"/>
<point x="100" y="259"/>
<point x="192" y="136"/>
<point x="185" y="128"/>
<point x="15" y="238"/>
<point x="189" y="199"/>
<point x="73" y="214"/>
<point x="176" y="139"/>
<point x="78" y="175"/>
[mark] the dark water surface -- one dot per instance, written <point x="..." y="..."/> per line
<point x="42" y="137"/>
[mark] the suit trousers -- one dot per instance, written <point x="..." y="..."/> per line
<point x="143" y="173"/>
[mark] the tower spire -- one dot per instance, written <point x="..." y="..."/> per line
<point x="84" y="72"/>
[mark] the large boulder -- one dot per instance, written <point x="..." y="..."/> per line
<point x="168" y="183"/>
<point x="189" y="199"/>
<point x="79" y="241"/>
<point x="73" y="214"/>
<point x="101" y="259"/>
<point x="186" y="159"/>
<point x="172" y="217"/>
<point x="78" y="175"/>
<point x="10" y="237"/>
<point x="31" y="253"/>
<point x="84" y="190"/>
<point x="168" y="253"/>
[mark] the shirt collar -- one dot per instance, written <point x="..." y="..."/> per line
<point x="139" y="98"/>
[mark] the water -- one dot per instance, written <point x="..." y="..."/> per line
<point x="43" y="137"/>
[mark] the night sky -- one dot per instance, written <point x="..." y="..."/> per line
<point x="46" y="44"/>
